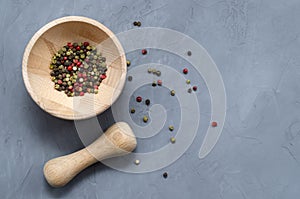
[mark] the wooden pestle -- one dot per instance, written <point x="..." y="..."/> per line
<point x="118" y="140"/>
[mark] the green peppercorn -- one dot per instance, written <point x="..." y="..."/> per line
<point x="188" y="81"/>
<point x="56" y="86"/>
<point x="145" y="119"/>
<point x="158" y="73"/>
<point x="173" y="140"/>
<point x="132" y="110"/>
<point x="68" y="53"/>
<point x="95" y="91"/>
<point x="128" y="63"/>
<point x="172" y="92"/>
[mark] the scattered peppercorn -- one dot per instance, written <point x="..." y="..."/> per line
<point x="165" y="174"/>
<point x="144" y="51"/>
<point x="214" y="124"/>
<point x="129" y="78"/>
<point x="135" y="23"/>
<point x="147" y="102"/>
<point x="158" y="73"/>
<point x="172" y="92"/>
<point x="159" y="82"/>
<point x="188" y="81"/>
<point x="173" y="140"/>
<point x="185" y="71"/>
<point x="149" y="70"/>
<point x="137" y="162"/>
<point x="139" y="99"/>
<point x="189" y="90"/>
<point x="128" y="63"/>
<point x="189" y="53"/>
<point x="195" y="88"/>
<point x="139" y="23"/>
<point x="132" y="110"/>
<point x="154" y="83"/>
<point x="145" y="119"/>
<point x="171" y="128"/>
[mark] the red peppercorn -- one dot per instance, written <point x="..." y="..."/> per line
<point x="81" y="93"/>
<point x="72" y="64"/>
<point x="76" y="84"/>
<point x="84" y="75"/>
<point x="86" y="43"/>
<point x="144" y="51"/>
<point x="185" y="70"/>
<point x="69" y="44"/>
<point x="103" y="76"/>
<point x="65" y="58"/>
<point x="78" y="63"/>
<point x="59" y="81"/>
<point x="75" y="61"/>
<point x="195" y="88"/>
<point x="70" y="68"/>
<point x="139" y="99"/>
<point x="87" y="60"/>
<point x="78" y="48"/>
<point x="95" y="87"/>
<point x="79" y="75"/>
<point x="214" y="124"/>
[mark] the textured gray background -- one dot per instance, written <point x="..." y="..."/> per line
<point x="255" y="44"/>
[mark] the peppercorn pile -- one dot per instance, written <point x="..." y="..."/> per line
<point x="78" y="68"/>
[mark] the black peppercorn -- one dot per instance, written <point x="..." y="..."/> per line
<point x="147" y="102"/>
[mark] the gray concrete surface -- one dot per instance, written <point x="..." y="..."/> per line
<point x="255" y="44"/>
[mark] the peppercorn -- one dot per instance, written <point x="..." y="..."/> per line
<point x="214" y="124"/>
<point x="159" y="82"/>
<point x="173" y="140"/>
<point x="171" y="128"/>
<point x="189" y="53"/>
<point x="139" y="99"/>
<point x="189" y="90"/>
<point x="137" y="162"/>
<point x="149" y="70"/>
<point x="144" y="51"/>
<point x="165" y="174"/>
<point x="154" y="83"/>
<point x="129" y="78"/>
<point x="158" y="73"/>
<point x="139" y="23"/>
<point x="185" y="71"/>
<point x="135" y="23"/>
<point x="145" y="119"/>
<point x="66" y="64"/>
<point x="147" y="102"/>
<point x="172" y="92"/>
<point x="188" y="81"/>
<point x="132" y="110"/>
<point x="128" y="63"/>
<point x="195" y="88"/>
